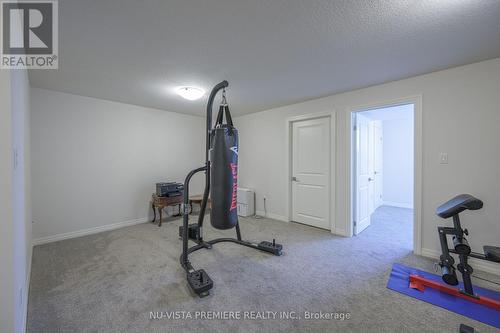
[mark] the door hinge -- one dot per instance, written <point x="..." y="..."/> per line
<point x="354" y="223"/>
<point x="355" y="128"/>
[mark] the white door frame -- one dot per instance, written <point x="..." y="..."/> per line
<point x="417" y="167"/>
<point x="288" y="158"/>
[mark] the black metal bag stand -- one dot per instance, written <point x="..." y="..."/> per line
<point x="198" y="279"/>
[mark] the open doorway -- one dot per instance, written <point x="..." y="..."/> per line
<point x="383" y="172"/>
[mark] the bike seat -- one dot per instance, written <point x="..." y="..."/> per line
<point x="492" y="253"/>
<point x="458" y="204"/>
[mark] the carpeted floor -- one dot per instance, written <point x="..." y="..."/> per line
<point x="112" y="281"/>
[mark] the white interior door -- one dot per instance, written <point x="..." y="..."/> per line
<point x="371" y="167"/>
<point x="378" y="158"/>
<point x="362" y="171"/>
<point x="311" y="172"/>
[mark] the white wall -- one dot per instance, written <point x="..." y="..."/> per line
<point x="6" y="223"/>
<point x="96" y="162"/>
<point x="15" y="206"/>
<point x="397" y="189"/>
<point x="460" y="117"/>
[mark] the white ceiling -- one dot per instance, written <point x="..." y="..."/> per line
<point x="272" y="53"/>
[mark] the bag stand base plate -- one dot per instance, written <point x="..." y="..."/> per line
<point x="271" y="247"/>
<point x="200" y="282"/>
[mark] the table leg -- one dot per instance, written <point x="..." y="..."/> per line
<point x="160" y="210"/>
<point x="154" y="212"/>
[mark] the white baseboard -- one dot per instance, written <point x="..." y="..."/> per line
<point x="89" y="231"/>
<point x="398" y="204"/>
<point x="339" y="232"/>
<point x="273" y="216"/>
<point x="482" y="265"/>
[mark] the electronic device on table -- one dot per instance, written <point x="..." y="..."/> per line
<point x="169" y="189"/>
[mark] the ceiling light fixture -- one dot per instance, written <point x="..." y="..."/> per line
<point x="190" y="93"/>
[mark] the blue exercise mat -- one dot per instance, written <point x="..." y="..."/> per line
<point x="400" y="282"/>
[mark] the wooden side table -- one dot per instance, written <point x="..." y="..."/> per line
<point x="161" y="202"/>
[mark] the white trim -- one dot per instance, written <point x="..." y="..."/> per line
<point x="89" y="231"/>
<point x="477" y="264"/>
<point x="340" y="232"/>
<point x="332" y="211"/>
<point x="416" y="100"/>
<point x="398" y="204"/>
<point x="272" y="216"/>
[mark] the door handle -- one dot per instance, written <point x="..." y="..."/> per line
<point x="370" y="179"/>
<point x="294" y="179"/>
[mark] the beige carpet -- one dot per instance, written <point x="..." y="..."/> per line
<point x="111" y="282"/>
